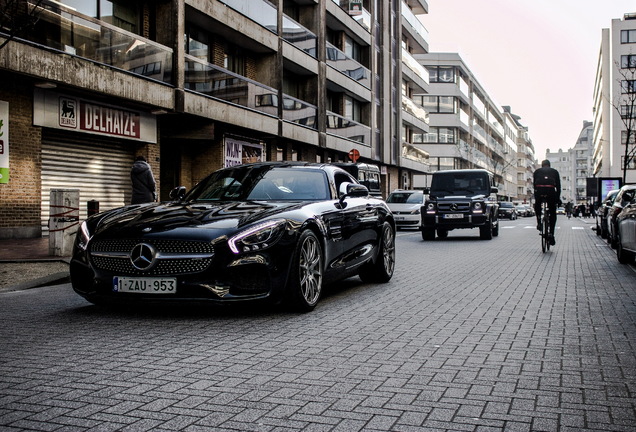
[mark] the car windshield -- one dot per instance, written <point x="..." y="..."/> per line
<point x="405" y="198"/>
<point x="506" y="204"/>
<point x="458" y="183"/>
<point x="262" y="183"/>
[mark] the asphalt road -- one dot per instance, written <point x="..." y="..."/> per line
<point x="469" y="335"/>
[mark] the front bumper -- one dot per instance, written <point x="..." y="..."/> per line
<point x="467" y="221"/>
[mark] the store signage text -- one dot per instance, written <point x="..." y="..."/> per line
<point x="109" y="121"/>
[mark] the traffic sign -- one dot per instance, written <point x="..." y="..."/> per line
<point x="354" y="155"/>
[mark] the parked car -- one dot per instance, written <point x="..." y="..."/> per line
<point x="507" y="210"/>
<point x="623" y="198"/>
<point x="406" y="206"/>
<point x="273" y="231"/>
<point x="601" y="213"/>
<point x="626" y="231"/>
<point x="523" y="210"/>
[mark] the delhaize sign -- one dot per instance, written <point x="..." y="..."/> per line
<point x="59" y="111"/>
<point x="4" y="142"/>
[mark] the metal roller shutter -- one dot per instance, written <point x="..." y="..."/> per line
<point x="101" y="172"/>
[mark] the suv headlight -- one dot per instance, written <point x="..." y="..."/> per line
<point x="258" y="237"/>
<point x="478" y="207"/>
<point x="430" y="208"/>
<point x="83" y="236"/>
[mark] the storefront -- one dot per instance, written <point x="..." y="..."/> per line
<point x="90" y="146"/>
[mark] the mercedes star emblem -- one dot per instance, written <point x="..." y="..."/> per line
<point x="142" y="256"/>
<point x="453" y="207"/>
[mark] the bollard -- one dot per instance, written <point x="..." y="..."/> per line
<point x="92" y="207"/>
<point x="63" y="221"/>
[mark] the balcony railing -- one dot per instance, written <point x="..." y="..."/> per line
<point x="63" y="29"/>
<point x="417" y="25"/>
<point x="414" y="109"/>
<point x="299" y="36"/>
<point x="412" y="152"/>
<point x="299" y="112"/>
<point x="348" y="66"/>
<point x="412" y="64"/>
<point x="259" y="11"/>
<point x="349" y="129"/>
<point x="214" y="81"/>
<point x="363" y="18"/>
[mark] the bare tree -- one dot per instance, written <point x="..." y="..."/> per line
<point x="625" y="105"/>
<point x="17" y="17"/>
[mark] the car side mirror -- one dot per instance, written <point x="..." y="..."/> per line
<point x="353" y="190"/>
<point x="178" y="193"/>
<point x="426" y="190"/>
<point x="494" y="190"/>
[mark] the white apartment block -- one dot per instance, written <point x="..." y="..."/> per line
<point x="468" y="129"/>
<point x="614" y="93"/>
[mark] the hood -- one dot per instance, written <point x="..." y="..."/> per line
<point x="218" y="218"/>
<point x="140" y="166"/>
<point x="460" y="197"/>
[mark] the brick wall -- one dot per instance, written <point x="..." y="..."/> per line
<point x="20" y="199"/>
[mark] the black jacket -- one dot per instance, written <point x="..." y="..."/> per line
<point x="547" y="176"/>
<point x="143" y="183"/>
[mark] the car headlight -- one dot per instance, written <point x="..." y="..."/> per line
<point x="430" y="208"/>
<point x="83" y="236"/>
<point x="416" y="211"/>
<point x="258" y="237"/>
<point x="478" y="207"/>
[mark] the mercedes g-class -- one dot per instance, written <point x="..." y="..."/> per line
<point x="460" y="199"/>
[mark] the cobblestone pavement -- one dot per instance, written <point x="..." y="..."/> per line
<point x="469" y="335"/>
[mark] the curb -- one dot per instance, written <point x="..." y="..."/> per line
<point x="54" y="279"/>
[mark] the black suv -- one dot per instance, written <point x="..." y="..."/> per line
<point x="460" y="199"/>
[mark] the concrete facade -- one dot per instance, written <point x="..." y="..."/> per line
<point x="290" y="80"/>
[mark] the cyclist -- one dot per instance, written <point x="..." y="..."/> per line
<point x="547" y="186"/>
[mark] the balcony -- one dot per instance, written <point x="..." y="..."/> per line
<point x="63" y="29"/>
<point x="348" y="129"/>
<point x="415" y="25"/>
<point x="299" y="36"/>
<point x="259" y="11"/>
<point x="363" y="17"/>
<point x="412" y="152"/>
<point x="299" y="112"/>
<point x="341" y="62"/>
<point x="414" y="66"/>
<point x="415" y="110"/>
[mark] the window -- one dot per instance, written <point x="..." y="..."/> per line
<point x="628" y="61"/>
<point x="352" y="109"/>
<point x="439" y="104"/>
<point x="628" y="86"/>
<point x="233" y="59"/>
<point x="441" y="74"/>
<point x="632" y="137"/>
<point x="628" y="36"/>
<point x="436" y="135"/>
<point x="628" y="111"/>
<point x="122" y="14"/>
<point x="631" y="165"/>
<point x="197" y="43"/>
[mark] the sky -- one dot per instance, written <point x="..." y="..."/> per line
<point x="537" y="56"/>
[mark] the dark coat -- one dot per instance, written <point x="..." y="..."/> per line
<point x="143" y="183"/>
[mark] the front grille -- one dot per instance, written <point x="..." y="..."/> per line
<point x="460" y="207"/>
<point x="183" y="257"/>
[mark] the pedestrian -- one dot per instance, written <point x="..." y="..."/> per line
<point x="143" y="182"/>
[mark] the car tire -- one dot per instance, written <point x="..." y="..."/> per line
<point x="442" y="233"/>
<point x="305" y="279"/>
<point x="485" y="231"/>
<point x="495" y="228"/>
<point x="382" y="269"/>
<point x="428" y="233"/>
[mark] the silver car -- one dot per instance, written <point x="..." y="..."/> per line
<point x="406" y="207"/>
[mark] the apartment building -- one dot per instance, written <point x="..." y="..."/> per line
<point x="561" y="161"/>
<point x="196" y="85"/>
<point x="615" y="101"/>
<point x="467" y="128"/>
<point x="582" y="166"/>
<point x="526" y="161"/>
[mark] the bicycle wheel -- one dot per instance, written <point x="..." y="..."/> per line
<point x="546" y="228"/>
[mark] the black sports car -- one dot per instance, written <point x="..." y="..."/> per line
<point x="272" y="230"/>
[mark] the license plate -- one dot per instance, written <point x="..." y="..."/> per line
<point x="144" y="285"/>
<point x="399" y="218"/>
<point x="454" y="216"/>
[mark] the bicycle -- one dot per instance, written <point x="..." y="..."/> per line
<point x="545" y="227"/>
